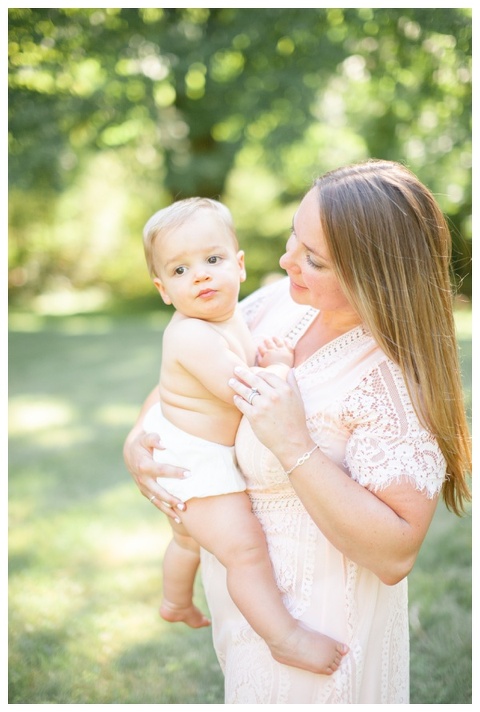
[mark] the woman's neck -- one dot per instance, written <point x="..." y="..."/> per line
<point x="325" y="328"/>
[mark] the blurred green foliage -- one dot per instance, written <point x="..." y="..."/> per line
<point x="115" y="112"/>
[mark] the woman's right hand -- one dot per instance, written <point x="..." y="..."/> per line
<point x="138" y="456"/>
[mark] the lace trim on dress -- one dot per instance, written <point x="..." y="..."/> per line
<point x="395" y="682"/>
<point x="394" y="642"/>
<point x="281" y="499"/>
<point x="330" y="358"/>
<point x="388" y="444"/>
<point x="294" y="569"/>
<point x="300" y="327"/>
<point x="251" y="674"/>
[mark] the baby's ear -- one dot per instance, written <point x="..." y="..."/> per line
<point x="241" y="264"/>
<point x="162" y="291"/>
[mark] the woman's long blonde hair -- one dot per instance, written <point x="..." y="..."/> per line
<point x="391" y="247"/>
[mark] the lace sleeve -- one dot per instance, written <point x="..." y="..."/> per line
<point x="387" y="442"/>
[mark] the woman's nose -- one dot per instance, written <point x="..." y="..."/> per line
<point x="287" y="260"/>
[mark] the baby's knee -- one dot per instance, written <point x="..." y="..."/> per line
<point x="247" y="552"/>
<point x="185" y="541"/>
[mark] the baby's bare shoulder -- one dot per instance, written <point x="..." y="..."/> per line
<point x="192" y="336"/>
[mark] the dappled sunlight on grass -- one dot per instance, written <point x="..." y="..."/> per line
<point x="28" y="415"/>
<point x="70" y="301"/>
<point x="50" y="422"/>
<point x="85" y="586"/>
<point x="441" y="609"/>
<point x="121" y="547"/>
<point x="77" y="633"/>
<point x="86" y="548"/>
<point x="89" y="323"/>
<point x="45" y="601"/>
<point x="117" y="414"/>
<point x="20" y="510"/>
<point x="30" y="322"/>
<point x="107" y="530"/>
<point x="62" y="438"/>
<point x="29" y="487"/>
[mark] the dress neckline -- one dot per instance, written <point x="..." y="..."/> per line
<point x="331" y="348"/>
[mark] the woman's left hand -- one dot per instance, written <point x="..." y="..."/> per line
<point x="274" y="409"/>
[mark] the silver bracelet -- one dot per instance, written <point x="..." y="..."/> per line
<point x="301" y="460"/>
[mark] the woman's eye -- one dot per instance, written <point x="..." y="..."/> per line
<point x="312" y="263"/>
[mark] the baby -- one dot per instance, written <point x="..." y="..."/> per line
<point x="193" y="257"/>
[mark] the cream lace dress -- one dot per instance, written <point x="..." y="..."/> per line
<point x="359" y="412"/>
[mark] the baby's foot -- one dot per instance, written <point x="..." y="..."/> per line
<point x="309" y="650"/>
<point x="190" y="615"/>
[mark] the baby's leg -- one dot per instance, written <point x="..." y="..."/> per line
<point x="226" y="526"/>
<point x="180" y="565"/>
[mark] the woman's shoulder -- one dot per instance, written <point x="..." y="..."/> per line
<point x="379" y="387"/>
<point x="388" y="440"/>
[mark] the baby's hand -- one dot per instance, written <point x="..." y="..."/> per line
<point x="274" y="350"/>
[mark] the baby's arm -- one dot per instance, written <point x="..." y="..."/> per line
<point x="205" y="354"/>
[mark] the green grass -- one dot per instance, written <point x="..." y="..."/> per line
<point x="85" y="548"/>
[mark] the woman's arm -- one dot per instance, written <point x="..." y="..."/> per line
<point x="138" y="457"/>
<point x="381" y="531"/>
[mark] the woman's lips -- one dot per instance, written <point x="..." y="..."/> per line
<point x="295" y="285"/>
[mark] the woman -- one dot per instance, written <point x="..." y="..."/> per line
<point x="345" y="462"/>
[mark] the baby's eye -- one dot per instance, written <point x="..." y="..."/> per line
<point x="213" y="259"/>
<point x="180" y="270"/>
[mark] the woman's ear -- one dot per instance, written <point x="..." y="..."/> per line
<point x="162" y="291"/>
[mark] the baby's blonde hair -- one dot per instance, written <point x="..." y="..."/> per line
<point x="176" y="214"/>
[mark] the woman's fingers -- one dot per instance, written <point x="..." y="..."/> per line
<point x="252" y="391"/>
<point x="147" y="472"/>
<point x="243" y="376"/>
<point x="151" y="441"/>
<point x="148" y="467"/>
<point x="246" y="384"/>
<point x="272" y="406"/>
<point x="171" y="506"/>
<point x="162" y="500"/>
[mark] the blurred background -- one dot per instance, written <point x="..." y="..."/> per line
<point x="113" y="114"/>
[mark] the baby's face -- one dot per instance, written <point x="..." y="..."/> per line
<point x="200" y="268"/>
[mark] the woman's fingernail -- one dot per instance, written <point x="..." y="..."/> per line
<point x="231" y="382"/>
<point x="186" y="474"/>
<point x="181" y="506"/>
<point x="177" y="520"/>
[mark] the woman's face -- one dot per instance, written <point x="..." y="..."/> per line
<point x="308" y="264"/>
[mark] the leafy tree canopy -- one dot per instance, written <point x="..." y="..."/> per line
<point x="201" y="101"/>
